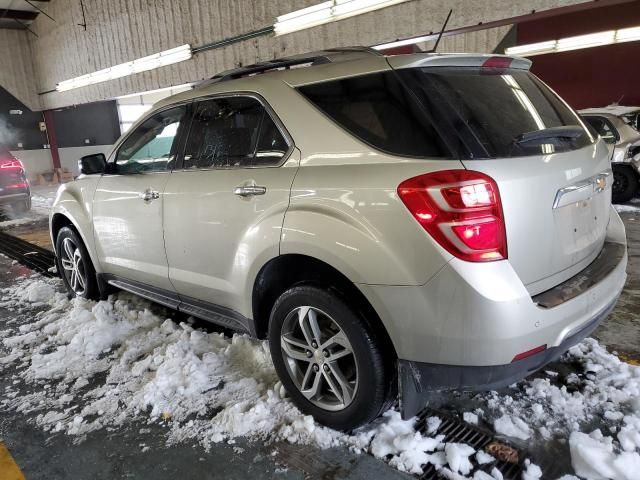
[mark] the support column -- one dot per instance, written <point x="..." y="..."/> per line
<point x="51" y="136"/>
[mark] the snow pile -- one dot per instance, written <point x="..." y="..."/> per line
<point x="79" y="366"/>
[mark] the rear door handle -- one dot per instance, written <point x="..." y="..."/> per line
<point x="249" y="190"/>
<point x="149" y="195"/>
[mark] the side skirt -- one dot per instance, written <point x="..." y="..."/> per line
<point x="210" y="312"/>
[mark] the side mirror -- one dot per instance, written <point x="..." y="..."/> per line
<point x="93" y="164"/>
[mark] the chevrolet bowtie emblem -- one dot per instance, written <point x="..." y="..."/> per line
<point x="601" y="184"/>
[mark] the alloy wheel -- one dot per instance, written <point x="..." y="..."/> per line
<point x="73" y="266"/>
<point x="319" y="358"/>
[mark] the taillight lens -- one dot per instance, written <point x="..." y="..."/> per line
<point x="461" y="210"/>
<point x="11" y="164"/>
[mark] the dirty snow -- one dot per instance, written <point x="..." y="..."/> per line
<point x="633" y="206"/>
<point x="42" y="198"/>
<point x="78" y="366"/>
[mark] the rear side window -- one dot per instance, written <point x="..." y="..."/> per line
<point x="234" y="132"/>
<point x="498" y="114"/>
<point x="604" y="128"/>
<point x="444" y="112"/>
<point x="380" y="111"/>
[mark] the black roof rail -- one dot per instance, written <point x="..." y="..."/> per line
<point x="329" y="55"/>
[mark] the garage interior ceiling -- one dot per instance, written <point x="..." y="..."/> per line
<point x="19" y="14"/>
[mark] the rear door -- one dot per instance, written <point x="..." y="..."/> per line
<point x="128" y="203"/>
<point x="225" y="206"/>
<point x="554" y="179"/>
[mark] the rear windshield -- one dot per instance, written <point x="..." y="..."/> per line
<point x="452" y="113"/>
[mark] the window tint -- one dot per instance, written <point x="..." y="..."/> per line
<point x="233" y="132"/>
<point x="492" y="112"/>
<point x="603" y="127"/>
<point x="151" y="147"/>
<point x="379" y="110"/>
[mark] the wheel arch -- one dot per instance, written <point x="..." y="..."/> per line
<point x="288" y="270"/>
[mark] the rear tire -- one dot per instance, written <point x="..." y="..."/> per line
<point x="625" y="184"/>
<point x="22" y="207"/>
<point x="75" y="266"/>
<point x="347" y="380"/>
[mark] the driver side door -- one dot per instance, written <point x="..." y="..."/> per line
<point x="128" y="203"/>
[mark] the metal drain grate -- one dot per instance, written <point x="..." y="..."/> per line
<point x="456" y="430"/>
<point x="32" y="256"/>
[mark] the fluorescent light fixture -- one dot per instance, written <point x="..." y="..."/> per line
<point x="143" y="64"/>
<point x="533" y="48"/>
<point x="578" y="42"/>
<point x="326" y="12"/>
<point x="586" y="41"/>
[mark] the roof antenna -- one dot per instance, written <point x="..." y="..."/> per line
<point x="444" y="25"/>
<point x="619" y="100"/>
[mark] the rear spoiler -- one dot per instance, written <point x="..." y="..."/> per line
<point x="420" y="60"/>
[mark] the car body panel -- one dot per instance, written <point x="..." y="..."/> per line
<point x="481" y="314"/>
<point x="128" y="231"/>
<point x="217" y="241"/>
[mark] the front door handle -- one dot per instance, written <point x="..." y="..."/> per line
<point x="249" y="190"/>
<point x="149" y="195"/>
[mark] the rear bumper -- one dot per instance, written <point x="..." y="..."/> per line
<point x="417" y="380"/>
<point x="14" y="197"/>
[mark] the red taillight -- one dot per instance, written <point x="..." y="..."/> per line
<point x="461" y="210"/>
<point x="18" y="185"/>
<point x="495" y="65"/>
<point x="11" y="164"/>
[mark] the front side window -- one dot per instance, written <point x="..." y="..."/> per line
<point x="603" y="127"/>
<point x="234" y="132"/>
<point x="152" y="146"/>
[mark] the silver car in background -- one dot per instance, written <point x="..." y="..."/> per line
<point x="619" y="127"/>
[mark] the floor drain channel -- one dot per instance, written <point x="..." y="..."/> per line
<point x="509" y="460"/>
<point x="32" y="256"/>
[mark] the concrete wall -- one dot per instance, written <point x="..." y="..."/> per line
<point x="35" y="161"/>
<point x="17" y="73"/>
<point x="122" y="30"/>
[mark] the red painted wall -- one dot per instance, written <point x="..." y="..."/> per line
<point x="590" y="77"/>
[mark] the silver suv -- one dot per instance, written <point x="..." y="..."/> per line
<point x="392" y="225"/>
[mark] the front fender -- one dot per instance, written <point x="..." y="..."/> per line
<point x="74" y="202"/>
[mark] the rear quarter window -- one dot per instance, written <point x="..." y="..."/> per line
<point x="378" y="109"/>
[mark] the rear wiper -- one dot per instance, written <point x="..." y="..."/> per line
<point x="570" y="132"/>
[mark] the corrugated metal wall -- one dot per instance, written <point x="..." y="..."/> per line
<point x="122" y="30"/>
<point x="17" y="74"/>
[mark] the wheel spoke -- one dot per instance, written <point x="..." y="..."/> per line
<point x="66" y="264"/>
<point x="80" y="277"/>
<point x="345" y="387"/>
<point x="288" y="344"/>
<point x="68" y="248"/>
<point x="73" y="280"/>
<point x="302" y="315"/>
<point x="315" y="387"/>
<point x="335" y="389"/>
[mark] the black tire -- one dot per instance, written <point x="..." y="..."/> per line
<point x="22" y="207"/>
<point x="375" y="371"/>
<point x="85" y="267"/>
<point x="625" y="184"/>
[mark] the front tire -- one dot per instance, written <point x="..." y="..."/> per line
<point x="75" y="266"/>
<point x="328" y="358"/>
<point x="625" y="184"/>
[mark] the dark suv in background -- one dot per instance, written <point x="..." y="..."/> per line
<point x="14" y="187"/>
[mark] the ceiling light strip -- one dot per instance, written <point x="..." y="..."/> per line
<point x="326" y="12"/>
<point x="578" y="42"/>
<point x="161" y="59"/>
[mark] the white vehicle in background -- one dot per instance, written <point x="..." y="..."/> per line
<point x="620" y="127"/>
